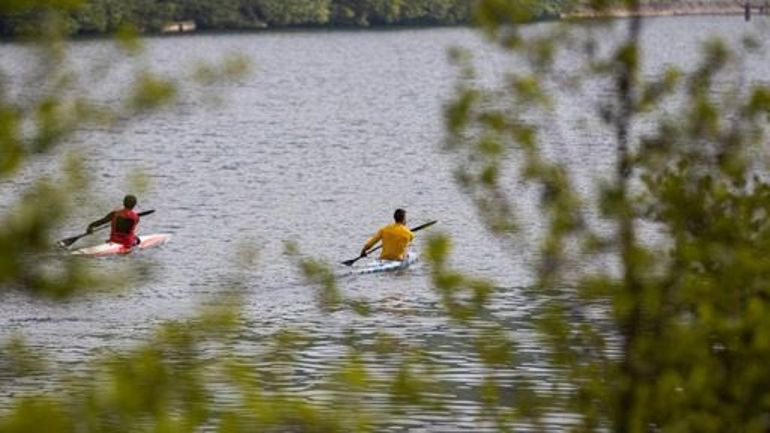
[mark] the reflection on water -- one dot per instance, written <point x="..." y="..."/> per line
<point x="332" y="132"/>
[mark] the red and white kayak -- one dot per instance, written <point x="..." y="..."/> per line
<point x="111" y="248"/>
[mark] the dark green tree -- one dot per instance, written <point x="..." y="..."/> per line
<point x="212" y="14"/>
<point x="366" y="12"/>
<point x="107" y="16"/>
<point x="294" y="12"/>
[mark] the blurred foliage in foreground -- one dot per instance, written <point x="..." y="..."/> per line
<point x="655" y="290"/>
<point x="664" y="336"/>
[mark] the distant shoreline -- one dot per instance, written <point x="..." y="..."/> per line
<point x="759" y="8"/>
<point x="669" y="9"/>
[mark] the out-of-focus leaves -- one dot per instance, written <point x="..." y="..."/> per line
<point x="230" y="68"/>
<point x="463" y="298"/>
<point x="37" y="415"/>
<point x="649" y="333"/>
<point x="127" y="38"/>
<point x="759" y="103"/>
<point x="318" y="274"/>
<point x="12" y="151"/>
<point x="151" y="92"/>
<point x="495" y="348"/>
<point x="19" y="360"/>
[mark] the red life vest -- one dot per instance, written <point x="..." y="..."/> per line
<point x="123" y="226"/>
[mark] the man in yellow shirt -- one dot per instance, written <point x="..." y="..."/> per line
<point x="395" y="238"/>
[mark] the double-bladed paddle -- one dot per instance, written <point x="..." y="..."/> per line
<point x="351" y="261"/>
<point x="64" y="243"/>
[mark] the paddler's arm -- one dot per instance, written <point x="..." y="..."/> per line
<point x="370" y="243"/>
<point x="99" y="222"/>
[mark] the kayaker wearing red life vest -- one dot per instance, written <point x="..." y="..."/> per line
<point x="395" y="238"/>
<point x="123" y="223"/>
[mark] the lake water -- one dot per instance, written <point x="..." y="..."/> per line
<point x="330" y="133"/>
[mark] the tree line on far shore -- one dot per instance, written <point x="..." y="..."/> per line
<point x="106" y="16"/>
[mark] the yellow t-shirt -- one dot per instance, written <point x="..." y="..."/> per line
<point x="395" y="241"/>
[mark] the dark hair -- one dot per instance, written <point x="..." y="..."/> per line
<point x="399" y="215"/>
<point x="129" y="201"/>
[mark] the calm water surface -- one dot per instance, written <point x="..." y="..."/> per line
<point x="331" y="132"/>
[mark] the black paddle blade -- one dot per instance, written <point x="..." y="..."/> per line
<point x="64" y="243"/>
<point x="351" y="261"/>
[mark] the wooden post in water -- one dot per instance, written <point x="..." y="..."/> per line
<point x="747" y="11"/>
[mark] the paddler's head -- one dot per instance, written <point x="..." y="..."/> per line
<point x="400" y="216"/>
<point x="129" y="201"/>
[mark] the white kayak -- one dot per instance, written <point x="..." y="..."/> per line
<point x="112" y="248"/>
<point x="376" y="266"/>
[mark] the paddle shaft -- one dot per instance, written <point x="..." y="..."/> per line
<point x="351" y="261"/>
<point x="64" y="243"/>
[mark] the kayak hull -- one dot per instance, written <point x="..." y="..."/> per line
<point x="378" y="266"/>
<point x="112" y="249"/>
